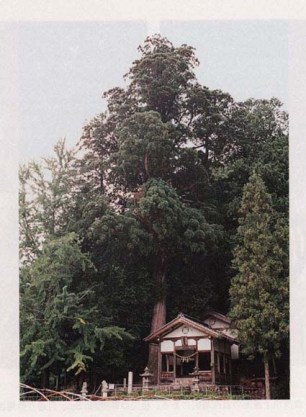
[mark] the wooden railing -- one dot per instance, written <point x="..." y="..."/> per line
<point x="166" y="377"/>
<point x="205" y="376"/>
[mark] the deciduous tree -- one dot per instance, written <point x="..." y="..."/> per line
<point x="60" y="322"/>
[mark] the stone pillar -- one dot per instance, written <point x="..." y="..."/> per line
<point x="104" y="389"/>
<point x="130" y="382"/>
<point x="84" y="390"/>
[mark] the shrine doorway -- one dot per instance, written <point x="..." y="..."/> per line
<point x="186" y="360"/>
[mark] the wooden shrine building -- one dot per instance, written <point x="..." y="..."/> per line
<point x="186" y="345"/>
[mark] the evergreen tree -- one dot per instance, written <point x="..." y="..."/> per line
<point x="161" y="228"/>
<point x="149" y="172"/>
<point x="259" y="291"/>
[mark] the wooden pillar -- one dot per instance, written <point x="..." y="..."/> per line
<point x="225" y="368"/>
<point x="212" y="360"/>
<point x="174" y="362"/>
<point x="159" y="364"/>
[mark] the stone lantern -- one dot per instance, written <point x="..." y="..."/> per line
<point x="145" y="379"/>
<point x="195" y="381"/>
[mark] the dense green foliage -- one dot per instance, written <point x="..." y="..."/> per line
<point x="260" y="291"/>
<point x="60" y="320"/>
<point x="150" y="209"/>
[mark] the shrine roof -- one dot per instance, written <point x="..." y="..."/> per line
<point x="217" y="315"/>
<point x="183" y="319"/>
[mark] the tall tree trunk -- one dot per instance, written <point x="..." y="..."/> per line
<point x="159" y="312"/>
<point x="46" y="376"/>
<point x="274" y="365"/>
<point x="267" y="377"/>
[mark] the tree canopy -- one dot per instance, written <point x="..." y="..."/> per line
<point x="149" y="203"/>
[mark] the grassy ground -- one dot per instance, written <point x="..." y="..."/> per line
<point x="157" y="395"/>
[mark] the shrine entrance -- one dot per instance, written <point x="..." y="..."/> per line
<point x="186" y="360"/>
<point x="187" y="348"/>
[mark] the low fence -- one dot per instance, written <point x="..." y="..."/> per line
<point x="28" y="393"/>
<point x="120" y="392"/>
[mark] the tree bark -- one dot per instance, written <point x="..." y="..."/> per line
<point x="146" y="164"/>
<point x="274" y="365"/>
<point x="159" y="313"/>
<point x="267" y="377"/>
<point x="46" y="375"/>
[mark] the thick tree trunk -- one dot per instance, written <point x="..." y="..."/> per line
<point x="267" y="377"/>
<point x="159" y="313"/>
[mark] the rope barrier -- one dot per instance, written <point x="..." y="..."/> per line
<point x="185" y="358"/>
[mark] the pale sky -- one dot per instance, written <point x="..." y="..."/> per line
<point x="63" y="68"/>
